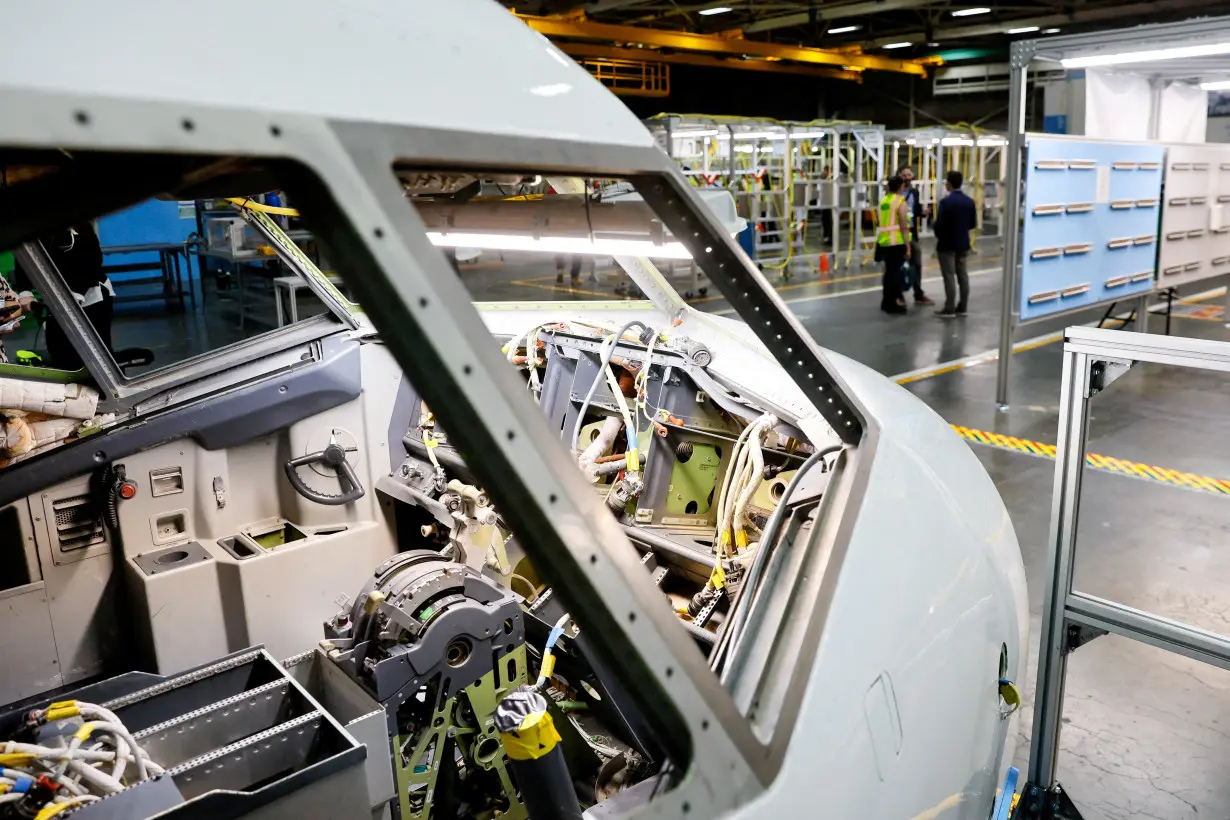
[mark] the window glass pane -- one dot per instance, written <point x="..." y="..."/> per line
<point x="165" y="281"/>
<point x="529" y="238"/>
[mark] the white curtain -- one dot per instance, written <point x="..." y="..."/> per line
<point x="1184" y="114"/>
<point x="1116" y="106"/>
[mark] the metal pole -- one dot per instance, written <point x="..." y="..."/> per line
<point x="1012" y="208"/>
<point x="1065" y="505"/>
<point x="838" y="263"/>
<point x="788" y="201"/>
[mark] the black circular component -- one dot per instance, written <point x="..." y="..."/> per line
<point x="684" y="451"/>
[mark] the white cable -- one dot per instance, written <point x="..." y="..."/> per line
<point x="739" y="468"/>
<point x="109" y="722"/>
<point x="726" y="479"/>
<point x="756" y="477"/>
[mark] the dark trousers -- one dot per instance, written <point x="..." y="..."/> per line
<point x="562" y="260"/>
<point x="61" y="351"/>
<point x="916" y="259"/>
<point x="892" y="256"/>
<point x="956" y="277"/>
<point x="826" y="223"/>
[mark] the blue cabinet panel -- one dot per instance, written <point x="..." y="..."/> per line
<point x="1100" y="195"/>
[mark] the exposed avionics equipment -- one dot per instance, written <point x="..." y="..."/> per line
<point x="549" y="558"/>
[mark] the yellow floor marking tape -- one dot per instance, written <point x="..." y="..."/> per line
<point x="1119" y="466"/>
<point x="525" y="283"/>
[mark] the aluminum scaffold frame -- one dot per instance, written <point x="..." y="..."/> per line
<point x="1093" y="359"/>
<point x="977" y="153"/>
<point x="774" y="170"/>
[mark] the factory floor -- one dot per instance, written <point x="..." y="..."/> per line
<point x="1146" y="734"/>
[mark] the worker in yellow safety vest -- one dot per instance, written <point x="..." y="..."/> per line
<point x="893" y="245"/>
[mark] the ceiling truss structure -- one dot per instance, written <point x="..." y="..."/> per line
<point x="848" y="36"/>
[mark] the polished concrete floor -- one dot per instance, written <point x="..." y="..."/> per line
<point x="1146" y="734"/>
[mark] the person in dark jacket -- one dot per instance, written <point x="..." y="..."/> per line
<point x="77" y="256"/>
<point x="956" y="216"/>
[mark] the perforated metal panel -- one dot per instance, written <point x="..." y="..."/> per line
<point x="78" y="523"/>
<point x="74" y="523"/>
<point x="1195" y="215"/>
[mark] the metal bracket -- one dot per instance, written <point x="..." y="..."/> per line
<point x="1079" y="635"/>
<point x="1023" y="52"/>
<point x="1104" y="373"/>
<point x="1046" y="804"/>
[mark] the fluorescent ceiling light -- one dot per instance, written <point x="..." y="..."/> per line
<point x="1022" y="30"/>
<point x="957" y="141"/>
<point x="713" y="132"/>
<point x="844" y="29"/>
<point x="714" y="10"/>
<point x="971" y="12"/>
<point x="1219" y="85"/>
<point x="560" y="244"/>
<point x="1152" y="55"/>
<point x="1050" y="31"/>
<point x="898" y="45"/>
<point x="932" y="45"/>
<point x="774" y="135"/>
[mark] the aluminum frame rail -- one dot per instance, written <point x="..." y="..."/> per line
<point x="1093" y="359"/>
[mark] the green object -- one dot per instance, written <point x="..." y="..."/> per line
<point x="471" y="729"/>
<point x="693" y="481"/>
<point x="285" y="534"/>
<point x="7" y="262"/>
<point x="955" y="54"/>
<point x="43" y="374"/>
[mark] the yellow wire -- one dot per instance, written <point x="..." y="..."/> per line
<point x="252" y="205"/>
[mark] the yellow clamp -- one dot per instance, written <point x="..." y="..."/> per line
<point x="740" y="538"/>
<point x="1010" y="694"/>
<point x="535" y="737"/>
<point x="85" y="731"/>
<point x="17" y="759"/>
<point x="548" y="666"/>
<point x="64" y="709"/>
<point x="718" y="578"/>
<point x="52" y="809"/>
<point x="634" y="460"/>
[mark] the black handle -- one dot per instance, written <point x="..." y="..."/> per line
<point x="332" y="456"/>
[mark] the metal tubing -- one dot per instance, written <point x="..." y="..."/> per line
<point x="1065" y="504"/>
<point x="1199" y="644"/>
<point x="1011" y="229"/>
<point x="665" y="546"/>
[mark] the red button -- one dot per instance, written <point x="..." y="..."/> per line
<point x="128" y="489"/>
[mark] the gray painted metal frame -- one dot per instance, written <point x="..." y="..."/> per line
<point x="425" y="317"/>
<point x="1092" y="359"/>
<point x="1056" y="49"/>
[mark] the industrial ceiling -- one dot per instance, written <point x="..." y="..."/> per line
<point x="837" y="39"/>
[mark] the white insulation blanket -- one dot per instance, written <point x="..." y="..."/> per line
<point x="69" y="401"/>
